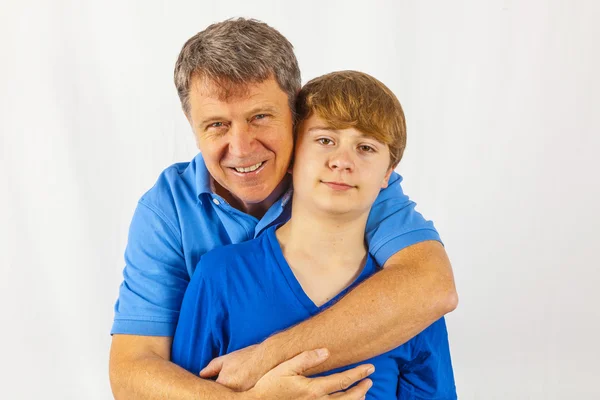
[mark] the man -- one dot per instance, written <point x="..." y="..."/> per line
<point x="242" y="293"/>
<point x="237" y="82"/>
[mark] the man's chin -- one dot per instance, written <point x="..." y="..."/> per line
<point x="259" y="195"/>
<point x="253" y="198"/>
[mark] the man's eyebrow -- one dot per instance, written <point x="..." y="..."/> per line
<point x="263" y="109"/>
<point x="213" y="118"/>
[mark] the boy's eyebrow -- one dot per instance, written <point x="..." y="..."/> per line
<point x="322" y="128"/>
<point x="329" y="128"/>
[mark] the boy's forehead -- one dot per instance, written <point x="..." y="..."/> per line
<point x="317" y="123"/>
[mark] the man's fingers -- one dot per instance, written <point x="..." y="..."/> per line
<point x="302" y="362"/>
<point x="343" y="380"/>
<point x="357" y="392"/>
<point x="212" y="369"/>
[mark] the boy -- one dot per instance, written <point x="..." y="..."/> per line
<point x="350" y="136"/>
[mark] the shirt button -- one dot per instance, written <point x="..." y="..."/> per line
<point x="216" y="201"/>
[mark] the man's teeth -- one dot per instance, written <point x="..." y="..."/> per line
<point x="250" y="168"/>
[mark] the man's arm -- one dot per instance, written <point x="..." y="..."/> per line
<point x="140" y="369"/>
<point x="415" y="288"/>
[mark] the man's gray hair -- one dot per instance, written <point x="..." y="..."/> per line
<point x="235" y="53"/>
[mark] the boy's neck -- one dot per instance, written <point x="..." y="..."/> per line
<point x="328" y="241"/>
<point x="326" y="253"/>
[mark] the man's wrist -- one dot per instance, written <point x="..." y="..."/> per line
<point x="271" y="351"/>
<point x="247" y="395"/>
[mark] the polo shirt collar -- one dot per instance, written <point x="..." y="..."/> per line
<point x="203" y="178"/>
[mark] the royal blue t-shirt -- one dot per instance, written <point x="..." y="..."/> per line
<point x="241" y="294"/>
<point x="180" y="219"/>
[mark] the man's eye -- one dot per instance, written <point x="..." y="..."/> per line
<point x="325" y="141"/>
<point x="215" y="125"/>
<point x="260" y="117"/>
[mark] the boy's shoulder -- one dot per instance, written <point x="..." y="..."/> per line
<point x="233" y="257"/>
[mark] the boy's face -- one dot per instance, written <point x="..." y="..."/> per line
<point x="338" y="171"/>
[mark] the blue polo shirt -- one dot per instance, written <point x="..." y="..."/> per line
<point x="179" y="219"/>
<point x="243" y="293"/>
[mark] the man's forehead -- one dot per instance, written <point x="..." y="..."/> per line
<point x="223" y="89"/>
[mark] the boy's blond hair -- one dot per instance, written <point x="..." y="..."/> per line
<point x="352" y="99"/>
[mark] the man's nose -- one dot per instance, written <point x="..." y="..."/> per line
<point x="341" y="160"/>
<point x="241" y="140"/>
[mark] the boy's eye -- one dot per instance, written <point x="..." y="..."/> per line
<point x="325" y="141"/>
<point x="367" y="149"/>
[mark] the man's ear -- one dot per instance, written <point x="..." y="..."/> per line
<point x="386" y="178"/>
<point x="189" y="119"/>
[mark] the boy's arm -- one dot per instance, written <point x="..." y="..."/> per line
<point x="428" y="374"/>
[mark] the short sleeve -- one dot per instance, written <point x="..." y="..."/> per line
<point x="429" y="375"/>
<point x="154" y="278"/>
<point x="394" y="224"/>
<point x="199" y="334"/>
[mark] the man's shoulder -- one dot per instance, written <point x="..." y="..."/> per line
<point x="172" y="199"/>
<point x="174" y="183"/>
<point x="393" y="191"/>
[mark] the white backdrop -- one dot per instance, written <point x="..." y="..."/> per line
<point x="502" y="102"/>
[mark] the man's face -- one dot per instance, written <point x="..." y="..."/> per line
<point x="246" y="140"/>
<point x="338" y="171"/>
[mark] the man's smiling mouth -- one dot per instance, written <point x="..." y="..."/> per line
<point x="250" y="168"/>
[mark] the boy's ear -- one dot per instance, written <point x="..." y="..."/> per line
<point x="386" y="178"/>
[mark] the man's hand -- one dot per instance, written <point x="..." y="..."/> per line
<point x="286" y="381"/>
<point x="140" y="369"/>
<point x="241" y="369"/>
